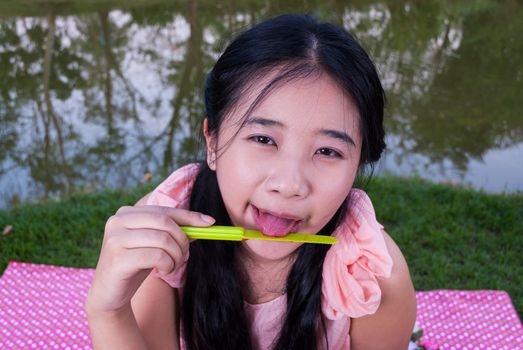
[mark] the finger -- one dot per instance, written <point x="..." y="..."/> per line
<point x="120" y="239"/>
<point x="146" y="238"/>
<point x="160" y="218"/>
<point x="147" y="259"/>
<point x="188" y="217"/>
<point x="152" y="221"/>
<point x="180" y="216"/>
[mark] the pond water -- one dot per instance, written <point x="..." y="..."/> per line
<point x="104" y="94"/>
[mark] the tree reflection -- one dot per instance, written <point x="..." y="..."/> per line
<point x="444" y="76"/>
<point x="98" y="99"/>
<point x="44" y="79"/>
<point x="188" y="76"/>
<point x="49" y="117"/>
<point x="12" y="81"/>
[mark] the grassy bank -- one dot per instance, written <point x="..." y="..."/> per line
<point x="64" y="233"/>
<point x="452" y="238"/>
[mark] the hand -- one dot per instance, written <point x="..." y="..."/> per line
<point x="136" y="240"/>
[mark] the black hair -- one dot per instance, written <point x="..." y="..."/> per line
<point x="294" y="47"/>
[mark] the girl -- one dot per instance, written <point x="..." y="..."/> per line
<point x="294" y="111"/>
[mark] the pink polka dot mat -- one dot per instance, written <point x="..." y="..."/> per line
<point x="41" y="307"/>
<point x="455" y="319"/>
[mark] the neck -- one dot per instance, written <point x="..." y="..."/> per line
<point x="265" y="279"/>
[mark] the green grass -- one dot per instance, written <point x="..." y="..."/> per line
<point x="66" y="233"/>
<point x="452" y="238"/>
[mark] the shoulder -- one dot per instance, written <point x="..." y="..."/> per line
<point x="175" y="190"/>
<point x="400" y="270"/>
<point x="391" y="326"/>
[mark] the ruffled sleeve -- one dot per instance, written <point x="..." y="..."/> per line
<point x="350" y="287"/>
<point x="175" y="192"/>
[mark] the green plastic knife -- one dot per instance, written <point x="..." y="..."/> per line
<point x="233" y="233"/>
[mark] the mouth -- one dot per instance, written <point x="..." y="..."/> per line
<point x="275" y="224"/>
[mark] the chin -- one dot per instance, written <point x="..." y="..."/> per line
<point x="267" y="250"/>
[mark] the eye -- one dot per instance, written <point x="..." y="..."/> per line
<point x="262" y="139"/>
<point x="329" y="152"/>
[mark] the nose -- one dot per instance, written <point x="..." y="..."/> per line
<point x="288" y="178"/>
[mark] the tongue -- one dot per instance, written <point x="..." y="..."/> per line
<point x="272" y="225"/>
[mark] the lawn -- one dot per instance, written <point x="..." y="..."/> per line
<point x="452" y="238"/>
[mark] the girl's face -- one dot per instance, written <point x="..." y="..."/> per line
<point x="292" y="163"/>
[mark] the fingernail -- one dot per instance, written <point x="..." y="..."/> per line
<point x="208" y="219"/>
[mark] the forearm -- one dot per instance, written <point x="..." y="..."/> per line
<point x="116" y="330"/>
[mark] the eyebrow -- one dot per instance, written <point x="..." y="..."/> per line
<point x="264" y="122"/>
<point x="340" y="135"/>
<point x="335" y="134"/>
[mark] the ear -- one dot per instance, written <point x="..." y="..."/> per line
<point x="210" y="141"/>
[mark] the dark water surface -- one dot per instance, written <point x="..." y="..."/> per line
<point x="95" y="94"/>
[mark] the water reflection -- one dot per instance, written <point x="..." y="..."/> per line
<point x="470" y="102"/>
<point x="99" y="98"/>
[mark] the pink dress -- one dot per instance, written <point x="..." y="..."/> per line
<point x="349" y="289"/>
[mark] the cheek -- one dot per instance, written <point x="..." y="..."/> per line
<point x="230" y="192"/>
<point x="331" y="195"/>
<point x="236" y="181"/>
<point x="235" y="177"/>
